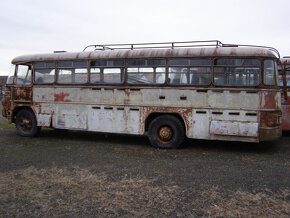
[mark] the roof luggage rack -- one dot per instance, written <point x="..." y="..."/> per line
<point x="172" y="45"/>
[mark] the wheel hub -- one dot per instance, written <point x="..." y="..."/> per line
<point x="165" y="133"/>
<point x="25" y="124"/>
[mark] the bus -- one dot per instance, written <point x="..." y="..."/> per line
<point x="284" y="80"/>
<point x="167" y="91"/>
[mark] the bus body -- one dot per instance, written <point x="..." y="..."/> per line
<point x="216" y="93"/>
<point x="284" y="74"/>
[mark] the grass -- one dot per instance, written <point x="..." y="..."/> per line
<point x="3" y="122"/>
<point x="76" y="191"/>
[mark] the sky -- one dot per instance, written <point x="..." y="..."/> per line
<point x="34" y="26"/>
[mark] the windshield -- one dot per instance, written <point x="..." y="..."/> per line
<point x="10" y="77"/>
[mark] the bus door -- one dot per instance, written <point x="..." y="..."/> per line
<point x="22" y="90"/>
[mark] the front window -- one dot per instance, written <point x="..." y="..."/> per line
<point x="11" y="75"/>
<point x="270" y="73"/>
<point x="23" y="76"/>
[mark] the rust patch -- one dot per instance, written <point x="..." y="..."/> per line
<point x="270" y="118"/>
<point x="61" y="97"/>
<point x="127" y="92"/>
<point x="22" y="94"/>
<point x="269" y="100"/>
<point x="286" y="117"/>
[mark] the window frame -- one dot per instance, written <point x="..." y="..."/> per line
<point x="43" y="68"/>
<point x="214" y="66"/>
<point x="73" y="69"/>
<point x="209" y="59"/>
<point x="154" y="66"/>
<point x="276" y="73"/>
<point x="102" y="67"/>
<point x="16" y="75"/>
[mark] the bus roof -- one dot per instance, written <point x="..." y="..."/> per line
<point x="149" y="53"/>
<point x="285" y="60"/>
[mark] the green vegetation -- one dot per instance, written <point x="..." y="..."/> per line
<point x="3" y="122"/>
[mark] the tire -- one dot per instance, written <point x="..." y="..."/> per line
<point x="26" y="124"/>
<point x="166" y="131"/>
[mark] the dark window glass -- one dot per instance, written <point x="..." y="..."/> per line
<point x="72" y="64"/>
<point x="80" y="64"/>
<point x="107" y="63"/>
<point x="146" y="62"/>
<point x="237" y="62"/>
<point x="188" y="62"/>
<point x="43" y="65"/>
<point x="65" y="64"/>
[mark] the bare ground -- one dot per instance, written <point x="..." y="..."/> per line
<point x="76" y="174"/>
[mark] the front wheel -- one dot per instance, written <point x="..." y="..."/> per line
<point x="26" y="124"/>
<point x="166" y="132"/>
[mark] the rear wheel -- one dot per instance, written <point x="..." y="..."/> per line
<point x="166" y="132"/>
<point x="26" y="124"/>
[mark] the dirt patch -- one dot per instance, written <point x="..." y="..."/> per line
<point x="71" y="192"/>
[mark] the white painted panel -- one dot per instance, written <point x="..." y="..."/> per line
<point x="70" y="116"/>
<point x="200" y="128"/>
<point x="122" y="120"/>
<point x="43" y="119"/>
<point x="218" y="127"/>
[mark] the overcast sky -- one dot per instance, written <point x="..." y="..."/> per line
<point x="34" y="26"/>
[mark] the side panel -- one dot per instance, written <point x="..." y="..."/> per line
<point x="207" y="113"/>
<point x="114" y="119"/>
<point x="234" y="128"/>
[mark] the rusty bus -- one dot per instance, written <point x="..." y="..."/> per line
<point x="284" y="80"/>
<point x="168" y="91"/>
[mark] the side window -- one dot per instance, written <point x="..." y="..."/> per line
<point x="236" y="72"/>
<point x="44" y="72"/>
<point x="107" y="71"/>
<point x="269" y="72"/>
<point x="146" y="71"/>
<point x="72" y="72"/>
<point x="95" y="76"/>
<point x="187" y="71"/>
<point x="288" y="78"/>
<point x="64" y="76"/>
<point x="23" y="75"/>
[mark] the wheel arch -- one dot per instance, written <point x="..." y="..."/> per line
<point x="19" y="108"/>
<point x="154" y="115"/>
